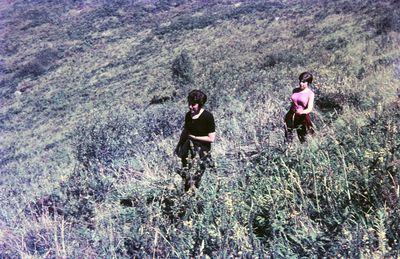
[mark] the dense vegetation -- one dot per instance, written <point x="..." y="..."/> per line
<point x="92" y="102"/>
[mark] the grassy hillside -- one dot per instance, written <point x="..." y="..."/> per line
<point x="93" y="96"/>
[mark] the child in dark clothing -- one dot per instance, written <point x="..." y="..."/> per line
<point x="196" y="138"/>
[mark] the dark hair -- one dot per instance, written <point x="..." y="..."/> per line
<point x="197" y="96"/>
<point x="306" y="77"/>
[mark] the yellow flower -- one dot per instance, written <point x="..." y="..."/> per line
<point x="188" y="223"/>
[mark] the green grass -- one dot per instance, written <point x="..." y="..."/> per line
<point x="78" y="132"/>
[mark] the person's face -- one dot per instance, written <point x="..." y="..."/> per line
<point x="194" y="108"/>
<point x="303" y="85"/>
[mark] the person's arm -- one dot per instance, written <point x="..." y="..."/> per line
<point x="209" y="138"/>
<point x="310" y="105"/>
<point x="185" y="133"/>
<point x="184" y="136"/>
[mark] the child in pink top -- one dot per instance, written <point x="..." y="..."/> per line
<point x="298" y="117"/>
<point x="300" y="99"/>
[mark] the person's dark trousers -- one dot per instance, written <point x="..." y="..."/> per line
<point x="205" y="161"/>
<point x="301" y="123"/>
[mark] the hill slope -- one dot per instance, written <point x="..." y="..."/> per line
<point x="93" y="98"/>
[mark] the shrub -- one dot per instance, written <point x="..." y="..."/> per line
<point x="76" y="198"/>
<point x="3" y="68"/>
<point x="303" y="32"/>
<point x="182" y="70"/>
<point x="40" y="64"/>
<point x="36" y="18"/>
<point x="7" y="155"/>
<point x="104" y="139"/>
<point x="49" y="56"/>
<point x="51" y="204"/>
<point x="9" y="47"/>
<point x="387" y="21"/>
<point x="335" y="44"/>
<point x="33" y="68"/>
<point x="333" y="103"/>
<point x="83" y="190"/>
<point x="39" y="242"/>
<point x="292" y="58"/>
<point x="161" y="121"/>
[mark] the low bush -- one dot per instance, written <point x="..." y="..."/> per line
<point x="33" y="69"/>
<point x="182" y="71"/>
<point x="82" y="191"/>
<point x="51" y="204"/>
<point x="303" y="32"/>
<point x="334" y="102"/>
<point x="104" y="139"/>
<point x="293" y="58"/>
<point x="49" y="56"/>
<point x="335" y="44"/>
<point x="387" y="20"/>
<point x="160" y="122"/>
<point x="9" y="47"/>
<point x="3" y="68"/>
<point x="36" y="18"/>
<point x="39" y="243"/>
<point x="40" y="64"/>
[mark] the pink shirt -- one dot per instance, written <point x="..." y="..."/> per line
<point x="300" y="99"/>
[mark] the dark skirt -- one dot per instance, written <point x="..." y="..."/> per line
<point x="301" y="123"/>
<point x="187" y="152"/>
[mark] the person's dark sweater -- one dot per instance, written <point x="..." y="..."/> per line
<point x="200" y="127"/>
